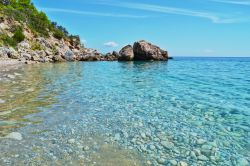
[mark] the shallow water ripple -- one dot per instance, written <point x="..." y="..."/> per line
<point x="188" y="111"/>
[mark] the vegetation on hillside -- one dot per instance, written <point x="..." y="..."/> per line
<point x="24" y="11"/>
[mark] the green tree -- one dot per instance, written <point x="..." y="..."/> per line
<point x="18" y="35"/>
<point x="24" y="2"/>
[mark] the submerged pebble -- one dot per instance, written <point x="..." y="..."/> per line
<point x="2" y="101"/>
<point x="147" y="123"/>
<point x="15" y="135"/>
<point x="173" y="162"/>
<point x="200" y="141"/>
<point x="242" y="162"/>
<point x="183" y="163"/>
<point x="11" y="76"/>
<point x="71" y="141"/>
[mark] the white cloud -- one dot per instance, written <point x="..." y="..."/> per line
<point x="208" y="51"/>
<point x="110" y="44"/>
<point x="83" y="41"/>
<point x="92" y="13"/>
<point x="214" y="17"/>
<point x="239" y="2"/>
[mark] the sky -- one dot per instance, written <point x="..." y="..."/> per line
<point x="182" y="27"/>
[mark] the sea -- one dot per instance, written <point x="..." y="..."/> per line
<point x="189" y="111"/>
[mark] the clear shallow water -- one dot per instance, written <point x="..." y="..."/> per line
<point x="192" y="110"/>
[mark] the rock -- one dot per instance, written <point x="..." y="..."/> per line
<point x="8" y="53"/>
<point x="10" y="76"/>
<point x="43" y="42"/>
<point x="197" y="152"/>
<point x="4" y="52"/>
<point x="202" y="158"/>
<point x="173" y="162"/>
<point x="23" y="45"/>
<point x="206" y="150"/>
<point x="13" y="53"/>
<point x="85" y="148"/>
<point x="15" y="135"/>
<point x="111" y="56"/>
<point x="117" y="137"/>
<point x="48" y="52"/>
<point x="57" y="58"/>
<point x="2" y="101"/>
<point x="35" y="58"/>
<point x="88" y="54"/>
<point x="17" y="74"/>
<point x="143" y="148"/>
<point x="143" y="135"/>
<point x="167" y="144"/>
<point x="126" y="53"/>
<point x="26" y="56"/>
<point x="152" y="147"/>
<point x="183" y="163"/>
<point x="200" y="141"/>
<point x="115" y="54"/>
<point x="144" y="50"/>
<point x="242" y="162"/>
<point x="161" y="160"/>
<point x="71" y="141"/>
<point x="207" y="147"/>
<point x="69" y="55"/>
<point x="192" y="155"/>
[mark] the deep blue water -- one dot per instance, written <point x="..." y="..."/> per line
<point x="192" y="110"/>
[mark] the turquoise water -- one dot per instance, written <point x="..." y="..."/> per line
<point x="193" y="111"/>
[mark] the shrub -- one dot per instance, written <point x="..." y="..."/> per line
<point x="36" y="46"/>
<point x="58" y="34"/>
<point x="7" y="41"/>
<point x="18" y="35"/>
<point x="24" y="11"/>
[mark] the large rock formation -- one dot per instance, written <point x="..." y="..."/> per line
<point x="144" y="50"/>
<point x="126" y="53"/>
<point x="111" y="56"/>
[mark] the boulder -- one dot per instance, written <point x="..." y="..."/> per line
<point x="23" y="45"/>
<point x="144" y="50"/>
<point x="126" y="53"/>
<point x="115" y="54"/>
<point x="69" y="55"/>
<point x="6" y="52"/>
<point x="13" y="54"/>
<point x="26" y="56"/>
<point x="88" y="54"/>
<point x="44" y="42"/>
<point x="111" y="56"/>
<point x="56" y="58"/>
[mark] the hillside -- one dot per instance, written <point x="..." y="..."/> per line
<point x="27" y="34"/>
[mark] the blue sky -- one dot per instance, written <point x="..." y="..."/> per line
<point x="183" y="27"/>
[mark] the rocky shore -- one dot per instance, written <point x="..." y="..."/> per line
<point x="53" y="50"/>
<point x="40" y="49"/>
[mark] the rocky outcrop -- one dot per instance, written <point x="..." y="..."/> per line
<point x="111" y="56"/>
<point x="126" y="53"/>
<point x="88" y="54"/>
<point x="144" y="50"/>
